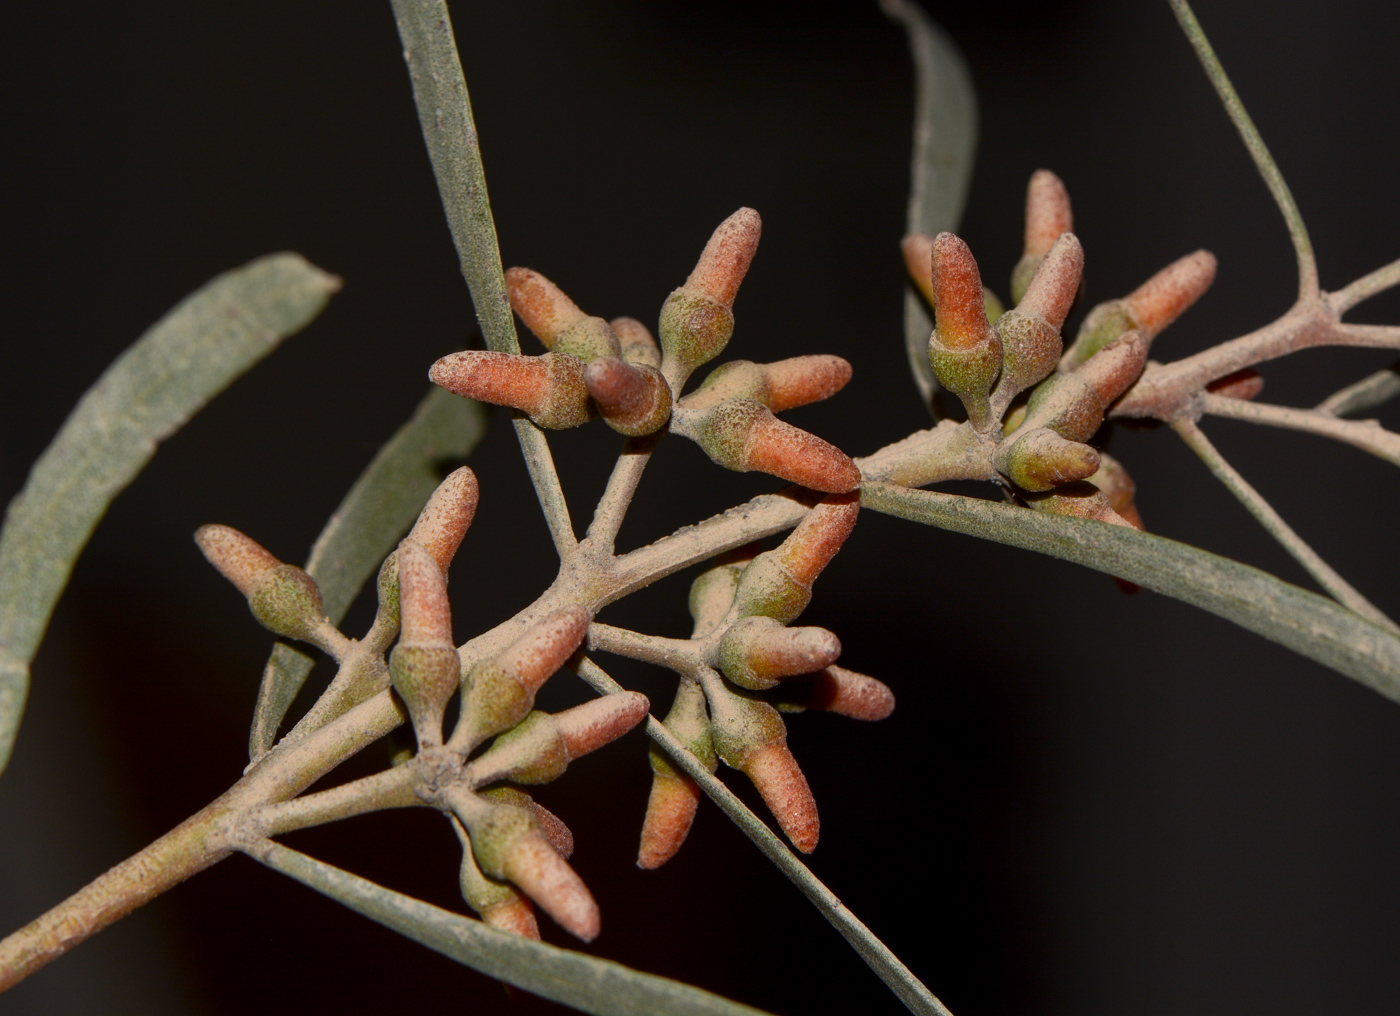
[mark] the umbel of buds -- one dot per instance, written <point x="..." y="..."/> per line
<point x="1149" y="309"/>
<point x="964" y="350"/>
<point x="1048" y="214"/>
<point x="424" y="667"/>
<point x="698" y="318"/>
<point x="283" y="598"/>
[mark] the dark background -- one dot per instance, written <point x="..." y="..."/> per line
<point x="1085" y="802"/>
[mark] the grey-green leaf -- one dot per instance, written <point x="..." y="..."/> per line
<point x="145" y="396"/>
<point x="1310" y="625"/>
<point x="945" y="146"/>
<point x="575" y="979"/>
<point x="371" y="519"/>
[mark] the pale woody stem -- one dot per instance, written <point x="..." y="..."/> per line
<point x="1336" y="586"/>
<point x="1367" y="435"/>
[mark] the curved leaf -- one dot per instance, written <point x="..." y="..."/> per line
<point x="1310" y="625"/>
<point x="945" y="146"/>
<point x="575" y="979"/>
<point x="364" y="529"/>
<point x="146" y="395"/>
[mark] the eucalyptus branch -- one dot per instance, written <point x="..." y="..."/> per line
<point x="1268" y="169"/>
<point x="887" y="966"/>
<point x="1365" y="287"/>
<point x="1365" y="394"/>
<point x="1256" y="505"/>
<point x="393" y="788"/>
<point x="622" y="486"/>
<point x="1368" y="435"/>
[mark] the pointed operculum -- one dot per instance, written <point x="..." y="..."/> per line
<point x="239" y="558"/>
<point x="546" y="878"/>
<point x="726" y="258"/>
<point x="785" y="451"/>
<point x="542" y="305"/>
<point x="814" y="542"/>
<point x="835" y="689"/>
<point x="1048" y="212"/>
<point x="1118" y="486"/>
<point x="1242" y="384"/>
<point x="546" y="645"/>
<point x="1039" y="460"/>
<point x="516" y="916"/>
<point x="634" y="400"/>
<point x="917" y="249"/>
<point x="1051" y="292"/>
<point x="446" y="517"/>
<point x="638" y="345"/>
<point x="550" y="388"/>
<point x="588" y="727"/>
<point x="1080" y="500"/>
<point x="426" y="615"/>
<point x="802" y="380"/>
<point x="1113" y="369"/>
<point x="671" y="810"/>
<point x="1163" y="298"/>
<point x="780" y="781"/>
<point x="959" y="311"/>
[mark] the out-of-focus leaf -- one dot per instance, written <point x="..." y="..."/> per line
<point x="375" y="514"/>
<point x="145" y="396"/>
<point x="575" y="979"/>
<point x="945" y="145"/>
<point x="1305" y="622"/>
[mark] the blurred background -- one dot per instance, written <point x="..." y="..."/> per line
<point x="1084" y="802"/>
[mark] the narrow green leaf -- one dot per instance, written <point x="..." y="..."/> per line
<point x="1310" y="625"/>
<point x="145" y="396"/>
<point x="575" y="979"/>
<point x="945" y="146"/>
<point x="370" y="521"/>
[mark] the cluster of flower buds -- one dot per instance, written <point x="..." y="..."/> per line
<point x="741" y="606"/>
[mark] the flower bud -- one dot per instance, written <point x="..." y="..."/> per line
<point x="550" y="388"/>
<point x="917" y="249"/>
<point x="758" y="652"/>
<point x="674" y="795"/>
<point x="837" y="690"/>
<point x="637" y="344"/>
<point x="786" y="384"/>
<point x="550" y="824"/>
<point x="1048" y="214"/>
<point x="508" y="845"/>
<point x="698" y="319"/>
<point x="1114" y="368"/>
<point x="750" y="736"/>
<point x="446" y="517"/>
<point x="1242" y="384"/>
<point x="1067" y="404"/>
<point x="1119" y="488"/>
<point x="1039" y="459"/>
<point x="1080" y="500"/>
<point x="778" y="584"/>
<point x="424" y="667"/>
<point x="540" y="747"/>
<point x="497" y="902"/>
<point x="283" y="598"/>
<point x="1030" y="334"/>
<point x="712" y="592"/>
<point x="499" y="693"/>
<point x="964" y="350"/>
<point x="1150" y="308"/>
<point x="634" y="400"/>
<point x="743" y="435"/>
<point x="556" y="320"/>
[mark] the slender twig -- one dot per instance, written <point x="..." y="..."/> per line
<point x="540" y="462"/>
<point x="680" y="655"/>
<point x="392" y="788"/>
<point x="1365" y="287"/>
<point x="1336" y="586"/>
<point x="1268" y="169"/>
<point x="1368" y="435"/>
<point x="1367" y="336"/>
<point x="887" y="966"/>
<point x="622" y="485"/>
<point x="1366" y="394"/>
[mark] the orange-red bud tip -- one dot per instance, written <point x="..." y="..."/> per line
<point x="726" y="258"/>
<point x="802" y="380"/>
<point x="446" y="517"/>
<point x="784" y="788"/>
<point x="1051" y="292"/>
<point x="516" y="916"/>
<point x="959" y="312"/>
<point x="1048" y="212"/>
<point x="810" y="547"/>
<point x="782" y="450"/>
<point x="1242" y="384"/>
<point x="838" y="690"/>
<point x="638" y="345"/>
<point x="1163" y="298"/>
<point x="535" y="656"/>
<point x="425" y="612"/>
<point x="634" y="399"/>
<point x="670" y="814"/>
<point x="239" y="558"/>
<point x="541" y="304"/>
<point x="917" y="249"/>
<point x="546" y="878"/>
<point x="550" y="388"/>
<point x="588" y="727"/>
<point x="1115" y="367"/>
